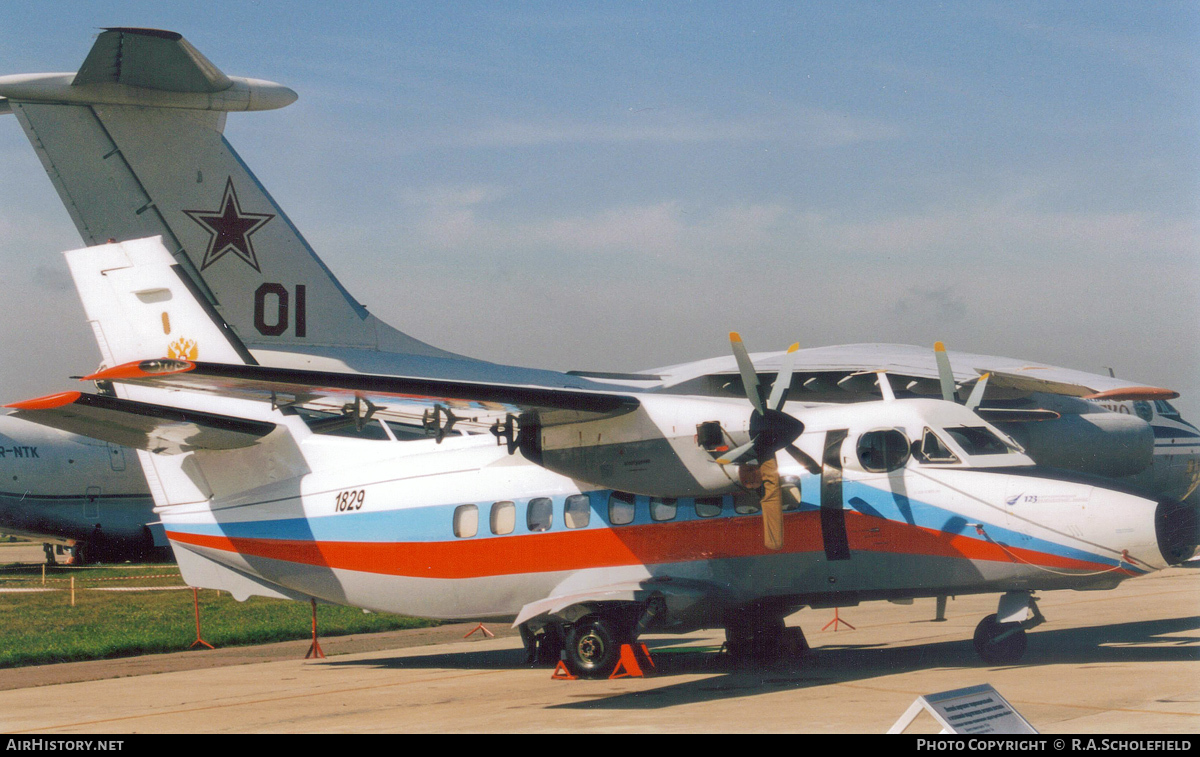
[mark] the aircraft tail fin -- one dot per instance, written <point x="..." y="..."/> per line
<point x="142" y="307"/>
<point x="133" y="143"/>
<point x="199" y="452"/>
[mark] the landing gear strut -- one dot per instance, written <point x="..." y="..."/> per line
<point x="543" y="645"/>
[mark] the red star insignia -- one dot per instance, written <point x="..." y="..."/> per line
<point x="229" y="229"/>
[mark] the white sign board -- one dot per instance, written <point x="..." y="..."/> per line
<point x="978" y="709"/>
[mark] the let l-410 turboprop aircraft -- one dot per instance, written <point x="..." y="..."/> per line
<point x="625" y="511"/>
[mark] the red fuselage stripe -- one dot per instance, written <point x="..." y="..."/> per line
<point x="659" y="543"/>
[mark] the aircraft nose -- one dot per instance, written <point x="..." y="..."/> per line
<point x="1177" y="526"/>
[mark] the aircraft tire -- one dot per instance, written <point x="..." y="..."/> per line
<point x="999" y="643"/>
<point x="593" y="646"/>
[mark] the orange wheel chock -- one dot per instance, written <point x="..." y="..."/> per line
<point x="561" y="673"/>
<point x="635" y="662"/>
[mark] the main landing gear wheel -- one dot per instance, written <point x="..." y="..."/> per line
<point x="999" y="643"/>
<point x="593" y="647"/>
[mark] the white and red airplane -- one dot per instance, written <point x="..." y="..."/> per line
<point x="590" y="514"/>
<point x="104" y="135"/>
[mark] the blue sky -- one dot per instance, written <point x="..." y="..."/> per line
<point x="617" y="185"/>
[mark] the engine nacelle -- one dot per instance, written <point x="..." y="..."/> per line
<point x="652" y="450"/>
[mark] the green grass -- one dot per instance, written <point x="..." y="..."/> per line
<point x="39" y="628"/>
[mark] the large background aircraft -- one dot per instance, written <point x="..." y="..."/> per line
<point x="88" y="184"/>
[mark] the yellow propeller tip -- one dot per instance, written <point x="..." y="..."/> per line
<point x="734" y="336"/>
<point x="793" y="348"/>
<point x="939" y="347"/>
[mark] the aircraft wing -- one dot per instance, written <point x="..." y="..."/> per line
<point x="839" y="373"/>
<point x="141" y="425"/>
<point x="290" y="386"/>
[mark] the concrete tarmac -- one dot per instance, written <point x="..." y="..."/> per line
<point x="1125" y="661"/>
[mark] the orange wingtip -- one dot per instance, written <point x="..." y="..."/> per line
<point x="1134" y="393"/>
<point x="141" y="369"/>
<point x="48" y="402"/>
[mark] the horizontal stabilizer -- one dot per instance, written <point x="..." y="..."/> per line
<point x="287" y="386"/>
<point x="150" y="58"/>
<point x="147" y="68"/>
<point x="141" y="425"/>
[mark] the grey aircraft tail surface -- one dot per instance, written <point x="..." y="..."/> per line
<point x="102" y="135"/>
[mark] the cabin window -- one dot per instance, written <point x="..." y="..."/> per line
<point x="789" y="486"/>
<point x="977" y="440"/>
<point x="466" y="521"/>
<point x="577" y="513"/>
<point x="746" y="503"/>
<point x="662" y="508"/>
<point x="708" y="507"/>
<point x="540" y="514"/>
<point x="883" y="450"/>
<point x="620" y="508"/>
<point x="504" y="518"/>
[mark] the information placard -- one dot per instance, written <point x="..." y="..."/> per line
<point x="974" y="710"/>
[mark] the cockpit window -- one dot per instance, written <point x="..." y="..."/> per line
<point x="883" y="450"/>
<point x="933" y="450"/>
<point x="977" y="440"/>
<point x="1166" y="409"/>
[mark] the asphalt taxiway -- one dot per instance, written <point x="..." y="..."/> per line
<point x="1122" y="661"/>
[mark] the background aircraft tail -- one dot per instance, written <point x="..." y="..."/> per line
<point x="133" y="143"/>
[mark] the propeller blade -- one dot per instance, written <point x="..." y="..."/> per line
<point x="736" y="455"/>
<point x="783" y="381"/>
<point x="772" y="505"/>
<point x="885" y="386"/>
<point x="746" y="368"/>
<point x="977" y="393"/>
<point x="802" y="457"/>
<point x="945" y="374"/>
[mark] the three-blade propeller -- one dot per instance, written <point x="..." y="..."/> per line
<point x="771" y="430"/>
